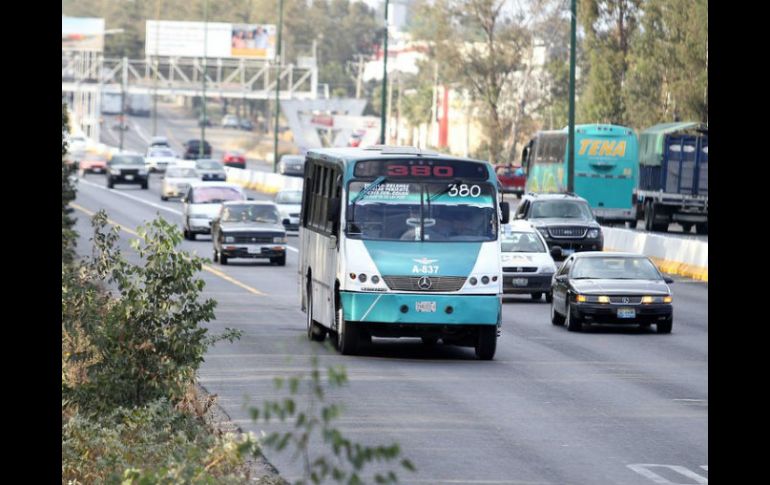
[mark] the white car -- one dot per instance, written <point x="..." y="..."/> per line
<point x="528" y="266"/>
<point x="176" y="181"/>
<point x="202" y="203"/>
<point x="289" y="202"/>
<point x="159" y="158"/>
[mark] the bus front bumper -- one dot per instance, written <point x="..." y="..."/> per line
<point x="427" y="308"/>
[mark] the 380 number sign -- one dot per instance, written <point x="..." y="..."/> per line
<point x="420" y="171"/>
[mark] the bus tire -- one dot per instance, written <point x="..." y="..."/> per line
<point x="486" y="342"/>
<point x="347" y="334"/>
<point x="314" y="331"/>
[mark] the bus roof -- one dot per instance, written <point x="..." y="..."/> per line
<point x="348" y="155"/>
<point x="591" y="129"/>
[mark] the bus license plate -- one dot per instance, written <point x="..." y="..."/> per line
<point x="425" y="306"/>
<point x="626" y="313"/>
<point x="519" y="281"/>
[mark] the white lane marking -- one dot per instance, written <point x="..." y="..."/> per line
<point x="139" y="132"/>
<point x="157" y="206"/>
<point x="643" y="469"/>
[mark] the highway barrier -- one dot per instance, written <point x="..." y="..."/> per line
<point x="672" y="255"/>
<point x="266" y="182"/>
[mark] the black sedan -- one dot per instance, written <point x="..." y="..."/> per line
<point x="604" y="287"/>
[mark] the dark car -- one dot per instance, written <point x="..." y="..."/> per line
<point x="192" y="149"/>
<point x="512" y="179"/>
<point x="565" y="221"/>
<point x="249" y="229"/>
<point x="604" y="287"/>
<point x="210" y="170"/>
<point x="234" y="158"/>
<point x="204" y="121"/>
<point x="246" y="125"/>
<point x="293" y="165"/>
<point x="127" y="168"/>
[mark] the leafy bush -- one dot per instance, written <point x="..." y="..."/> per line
<point x="347" y="459"/>
<point x="150" y="444"/>
<point x="145" y="342"/>
<point x="68" y="234"/>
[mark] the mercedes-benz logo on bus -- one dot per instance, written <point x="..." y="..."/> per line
<point x="424" y="283"/>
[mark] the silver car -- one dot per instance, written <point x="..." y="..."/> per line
<point x="292" y="165"/>
<point x="210" y="170"/>
<point x="202" y="203"/>
<point x="176" y="181"/>
<point x="289" y="202"/>
<point x="250" y="229"/>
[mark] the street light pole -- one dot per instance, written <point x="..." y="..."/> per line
<point x="205" y="56"/>
<point x="277" y="113"/>
<point x="384" y="79"/>
<point x="123" y="78"/>
<point x="157" y="66"/>
<point x="571" y="133"/>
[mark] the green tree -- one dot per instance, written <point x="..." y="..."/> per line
<point x="68" y="234"/>
<point x="479" y="46"/>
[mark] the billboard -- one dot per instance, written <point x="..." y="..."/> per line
<point x="82" y="34"/>
<point x="186" y="39"/>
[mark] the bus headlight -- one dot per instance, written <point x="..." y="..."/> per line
<point x="473" y="281"/>
<point x="362" y="278"/>
<point x="375" y="279"/>
<point x="484" y="280"/>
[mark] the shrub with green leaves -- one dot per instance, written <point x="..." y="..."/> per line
<point x="145" y="341"/>
<point x="342" y="460"/>
<point x="68" y="234"/>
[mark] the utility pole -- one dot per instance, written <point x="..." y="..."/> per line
<point x="571" y="133"/>
<point x="205" y="55"/>
<point x="384" y="79"/>
<point x="157" y="66"/>
<point x="122" y="121"/>
<point x="278" y="53"/>
<point x="360" y="76"/>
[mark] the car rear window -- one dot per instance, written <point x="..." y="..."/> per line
<point x="205" y="195"/>
<point x="127" y="160"/>
<point x="209" y="165"/>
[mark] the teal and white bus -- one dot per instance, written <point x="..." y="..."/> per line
<point x="606" y="168"/>
<point x="395" y="242"/>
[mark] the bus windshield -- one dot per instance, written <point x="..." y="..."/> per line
<point x="414" y="211"/>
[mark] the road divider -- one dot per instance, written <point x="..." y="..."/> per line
<point x="265" y="182"/>
<point x="672" y="255"/>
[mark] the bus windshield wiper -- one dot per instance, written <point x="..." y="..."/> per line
<point x="368" y="188"/>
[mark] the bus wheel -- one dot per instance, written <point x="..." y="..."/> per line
<point x="486" y="342"/>
<point x="314" y="331"/>
<point x="347" y="334"/>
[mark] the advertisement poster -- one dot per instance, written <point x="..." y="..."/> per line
<point x="215" y="39"/>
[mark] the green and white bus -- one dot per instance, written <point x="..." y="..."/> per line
<point x="395" y="242"/>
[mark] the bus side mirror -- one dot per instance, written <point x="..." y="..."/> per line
<point x="505" y="212"/>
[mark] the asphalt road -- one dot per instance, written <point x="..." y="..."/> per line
<point x="611" y="405"/>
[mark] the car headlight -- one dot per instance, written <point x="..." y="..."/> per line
<point x="142" y="171"/>
<point x="115" y="171"/>
<point x="543" y="231"/>
<point x="657" y="299"/>
<point x="229" y="239"/>
<point x="593" y="233"/>
<point x="279" y="240"/>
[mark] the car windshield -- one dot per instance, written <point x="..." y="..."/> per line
<point x="182" y="173"/>
<point x="127" y="160"/>
<point x="208" y="165"/>
<point x="213" y="195"/>
<point x="250" y="213"/>
<point x="521" y="242"/>
<point x="414" y="211"/>
<point x="289" y="197"/>
<point x="561" y="209"/>
<point x="162" y="153"/>
<point x="615" y="268"/>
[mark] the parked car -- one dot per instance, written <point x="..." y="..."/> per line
<point x="289" y="202"/>
<point x="512" y="179"/>
<point x="528" y="267"/>
<point x="246" y="124"/>
<point x="249" y="229"/>
<point x="230" y="121"/>
<point x="127" y="168"/>
<point x="235" y="159"/>
<point x="211" y="170"/>
<point x="292" y="165"/>
<point x="201" y="205"/>
<point x="564" y="220"/>
<point x="176" y="181"/>
<point x="159" y="158"/>
<point x="604" y="287"/>
<point x="192" y="149"/>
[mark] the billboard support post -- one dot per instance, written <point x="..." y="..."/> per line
<point x="203" y="98"/>
<point x="277" y="113"/>
<point x="571" y="130"/>
<point x="122" y="119"/>
<point x="384" y="79"/>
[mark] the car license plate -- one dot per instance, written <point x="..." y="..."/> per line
<point x="626" y="313"/>
<point x="97" y="170"/>
<point x="425" y="306"/>
<point x="519" y="281"/>
<point x="129" y="177"/>
<point x="253" y="250"/>
<point x="567" y="252"/>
